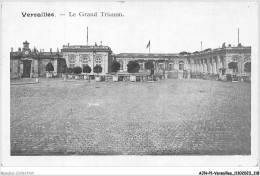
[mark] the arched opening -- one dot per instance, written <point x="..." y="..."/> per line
<point x="233" y="66"/>
<point x="181" y="65"/>
<point x="49" y="67"/>
<point x="98" y="60"/>
<point x="85" y="61"/>
<point x="171" y="66"/>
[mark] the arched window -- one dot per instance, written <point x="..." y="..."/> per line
<point x="72" y="60"/>
<point x="181" y="65"/>
<point x="85" y="61"/>
<point x="171" y="66"/>
<point x="161" y="66"/>
<point x="98" y="60"/>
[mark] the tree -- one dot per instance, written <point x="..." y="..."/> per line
<point x="87" y="69"/>
<point x="62" y="66"/>
<point x="184" y="52"/>
<point x="49" y="67"/>
<point x="133" y="67"/>
<point x="77" y="70"/>
<point x="97" y="69"/>
<point x="149" y="66"/>
<point x="233" y="66"/>
<point x="247" y="67"/>
<point x="115" y="66"/>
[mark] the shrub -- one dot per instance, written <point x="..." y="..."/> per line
<point x="233" y="65"/>
<point x="62" y="66"/>
<point x="70" y="70"/>
<point x="115" y="66"/>
<point x="77" y="70"/>
<point x="150" y="66"/>
<point x="133" y="67"/>
<point x="49" y="67"/>
<point x="184" y="52"/>
<point x="87" y="69"/>
<point x="97" y="69"/>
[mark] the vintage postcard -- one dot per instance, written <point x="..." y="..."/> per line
<point x="124" y="83"/>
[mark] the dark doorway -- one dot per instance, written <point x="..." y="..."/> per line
<point x="26" y="68"/>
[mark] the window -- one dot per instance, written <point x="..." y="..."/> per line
<point x="72" y="61"/>
<point x="141" y="66"/>
<point x="181" y="65"/>
<point x="98" y="60"/>
<point x="171" y="66"/>
<point x="160" y="66"/>
<point x="85" y="61"/>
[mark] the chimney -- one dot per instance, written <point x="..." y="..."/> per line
<point x="11" y="49"/>
<point x="68" y="44"/>
<point x="51" y="50"/>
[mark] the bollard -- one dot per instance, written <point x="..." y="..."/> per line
<point x="37" y="80"/>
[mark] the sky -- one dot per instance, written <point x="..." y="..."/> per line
<point x="171" y="27"/>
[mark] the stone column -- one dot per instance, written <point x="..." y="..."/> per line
<point x="213" y="66"/>
<point x="36" y="68"/>
<point x="125" y="65"/>
<point x="92" y="64"/>
<point x="55" y="65"/>
<point x="205" y="66"/>
<point x="105" y="65"/>
<point x="21" y="68"/>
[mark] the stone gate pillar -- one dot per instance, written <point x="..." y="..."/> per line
<point x="36" y="69"/>
<point x="55" y="65"/>
<point x="21" y="68"/>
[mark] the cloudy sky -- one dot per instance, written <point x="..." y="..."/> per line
<point x="171" y="27"/>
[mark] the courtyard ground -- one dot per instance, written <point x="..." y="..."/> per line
<point x="169" y="117"/>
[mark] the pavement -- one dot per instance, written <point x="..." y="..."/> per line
<point x="169" y="117"/>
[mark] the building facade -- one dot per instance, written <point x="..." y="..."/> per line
<point x="82" y="55"/>
<point x="32" y="63"/>
<point x="209" y="61"/>
<point x="26" y="62"/>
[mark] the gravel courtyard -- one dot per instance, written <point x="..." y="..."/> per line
<point x="169" y="117"/>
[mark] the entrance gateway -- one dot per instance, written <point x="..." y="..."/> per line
<point x="26" y="68"/>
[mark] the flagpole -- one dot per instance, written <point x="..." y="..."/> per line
<point x="238" y="36"/>
<point x="87" y="35"/>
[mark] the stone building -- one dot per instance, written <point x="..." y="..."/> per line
<point x="26" y="62"/>
<point x="32" y="63"/>
<point x="82" y="55"/>
<point x="209" y="61"/>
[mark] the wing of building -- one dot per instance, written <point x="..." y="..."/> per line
<point x="27" y="62"/>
